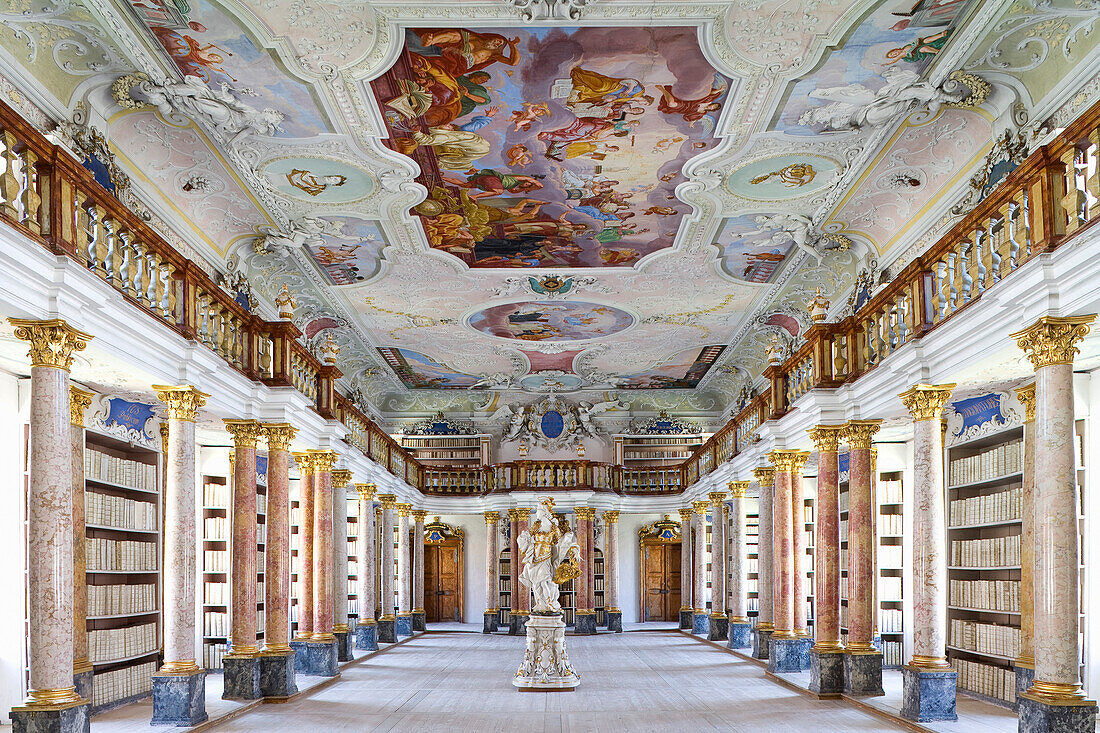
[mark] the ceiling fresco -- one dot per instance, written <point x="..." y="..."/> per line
<point x="480" y="208"/>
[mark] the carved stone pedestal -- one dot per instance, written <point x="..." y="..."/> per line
<point x="928" y="694"/>
<point x="387" y="630"/>
<point x="366" y="637"/>
<point x="179" y="699"/>
<point x="68" y="718"/>
<point x="1025" y="676"/>
<point x="783" y="655"/>
<point x="277" y="676"/>
<point x="761" y="639"/>
<point x="585" y="623"/>
<point x="419" y="622"/>
<point x="343" y="646"/>
<point x="740" y="636"/>
<point x="404" y="625"/>
<point x="719" y="627"/>
<point x="490" y="626"/>
<point x="1041" y="717"/>
<point x="686" y="615"/>
<point x="545" y="664"/>
<point x="700" y="623"/>
<point x="863" y="673"/>
<point x="241" y="678"/>
<point x="827" y="673"/>
<point x="615" y="621"/>
<point x="316" y="658"/>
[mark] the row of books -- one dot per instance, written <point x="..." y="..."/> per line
<point x="808" y="513"/>
<point x="1003" y="641"/>
<point x="992" y="552"/>
<point x="890" y="524"/>
<point x="215" y="561"/>
<point x="215" y="495"/>
<point x="889" y="588"/>
<point x="212" y="655"/>
<point x="119" y="684"/>
<point x="116" y="600"/>
<point x="100" y="466"/>
<point x="990" y="595"/>
<point x="1003" y="506"/>
<point x="106" y="555"/>
<point x="889" y="492"/>
<point x="890" y="556"/>
<point x="1000" y="460"/>
<point x="219" y="624"/>
<point x="216" y="594"/>
<point x="892" y="655"/>
<point x="105" y="645"/>
<point x="116" y="511"/>
<point x="890" y="620"/>
<point x="985" y="679"/>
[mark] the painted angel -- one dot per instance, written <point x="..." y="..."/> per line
<point x="854" y="106"/>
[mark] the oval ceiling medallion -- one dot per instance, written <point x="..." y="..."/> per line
<point x="783" y="177"/>
<point x="551" y="321"/>
<point x="317" y="180"/>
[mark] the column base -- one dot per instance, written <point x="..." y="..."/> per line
<point x="686" y="616"/>
<point x="928" y="694"/>
<point x="760" y="639"/>
<point x="316" y="658"/>
<point x="366" y="637"/>
<point x="614" y="621"/>
<point x="83" y="681"/>
<point x="1041" y="717"/>
<point x="827" y="673"/>
<point x="73" y="718"/>
<point x="387" y="630"/>
<point x="277" y="676"/>
<point x="404" y="624"/>
<point x="585" y="623"/>
<point x="863" y="673"/>
<point x="490" y="622"/>
<point x="784" y="655"/>
<point x="242" y="678"/>
<point x="700" y="623"/>
<point x="804" y="651"/>
<point x="419" y="621"/>
<point x="179" y="699"/>
<point x="1024" y="677"/>
<point x="740" y="636"/>
<point x="517" y="624"/>
<point x="343" y="646"/>
<point x="718" y="628"/>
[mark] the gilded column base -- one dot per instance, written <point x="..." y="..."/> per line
<point x="241" y="677"/>
<point x="179" y="697"/>
<point x="827" y="671"/>
<point x="928" y="693"/>
<point x="1061" y="715"/>
<point x="71" y="715"/>
<point x="278" y="680"/>
<point x="404" y="624"/>
<point x="366" y="636"/>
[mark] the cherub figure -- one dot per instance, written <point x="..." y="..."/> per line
<point x="518" y="155"/>
<point x="530" y="113"/>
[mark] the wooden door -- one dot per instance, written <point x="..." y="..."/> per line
<point x="442" y="582"/>
<point x="661" y="581"/>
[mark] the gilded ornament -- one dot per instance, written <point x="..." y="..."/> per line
<point x="389" y="501"/>
<point x="305" y="463"/>
<point x="818" y="307"/>
<point x="52" y="342"/>
<point x="365" y="491"/>
<point x="738" y="489"/>
<point x="858" y="433"/>
<point x="788" y="461"/>
<point x="1052" y="340"/>
<point x="1026" y="395"/>
<point x="329" y="350"/>
<point x="926" y="401"/>
<point x="419" y="515"/>
<point x="717" y="497"/>
<point x="584" y="512"/>
<point x="341" y="477"/>
<point x="183" y="400"/>
<point x="404" y="509"/>
<point x="611" y="516"/>
<point x="491" y="518"/>
<point x="523" y="514"/>
<point x="164" y="437"/>
<point x="700" y="507"/>
<point x="278" y="435"/>
<point x="246" y="433"/>
<point x="826" y="437"/>
<point x="286" y="303"/>
<point x="764" y="475"/>
<point x="79" y="400"/>
<point x="685" y="514"/>
<point x="323" y="460"/>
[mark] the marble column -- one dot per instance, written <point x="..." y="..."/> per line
<point x="613" y="613"/>
<point x="277" y="677"/>
<point x="700" y="616"/>
<point x="341" y="477"/>
<point x="304" y="461"/>
<point x="242" y="661"/>
<point x="718" y="630"/>
<point x="585" y="617"/>
<point x="1025" y="662"/>
<point x="687" y="611"/>
<point x="928" y="687"/>
<point x="418" y="620"/>
<point x="740" y="630"/>
<point x="827" y="653"/>
<point x="765" y="586"/>
<point x="79" y="400"/>
<point x="513" y="575"/>
<point x="521" y="596"/>
<point x="800" y="581"/>
<point x="1055" y="700"/>
<point x="862" y="660"/>
<point x="387" y="621"/>
<point x="784" y="648"/>
<point x="321" y="652"/>
<point x="404" y="572"/>
<point x="366" y="629"/>
<point x="492" y="566"/>
<point x="52" y="703"/>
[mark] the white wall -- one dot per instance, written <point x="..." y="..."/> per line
<point x="13" y="416"/>
<point x="473" y="561"/>
<point x="629" y="549"/>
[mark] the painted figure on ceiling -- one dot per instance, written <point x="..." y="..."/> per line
<point x="494" y="183"/>
<point x="464" y="51"/>
<point x="692" y="110"/>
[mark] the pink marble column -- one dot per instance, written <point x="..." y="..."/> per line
<point x="49" y="516"/>
<point x="1050" y="344"/>
<point x="277" y="547"/>
<point x="611" y="560"/>
<point x="701" y="617"/>
<point x="419" y="515"/>
<point x="765" y="554"/>
<point x="341" y="477"/>
<point x="387" y="619"/>
<point x="738" y="572"/>
<point x="404" y="571"/>
<point x="242" y="642"/>
<point x="687" y="609"/>
<point x="366" y="583"/>
<point x="1026" y="660"/>
<point x="492" y="566"/>
<point x="304" y="461"/>
<point x="798" y="528"/>
<point x="585" y="616"/>
<point x="79" y="400"/>
<point x="783" y="545"/>
<point x="827" y="548"/>
<point x="521" y="596"/>
<point x="717" y="554"/>
<point x="323" y="542"/>
<point x="861" y="536"/>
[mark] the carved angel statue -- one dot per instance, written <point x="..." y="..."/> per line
<point x="854" y="107"/>
<point x="517" y="419"/>
<point x="499" y="380"/>
<point x="788" y="228"/>
<point x="550" y="558"/>
<point x="303" y="232"/>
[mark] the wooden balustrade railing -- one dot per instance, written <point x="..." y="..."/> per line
<point x="1051" y="197"/>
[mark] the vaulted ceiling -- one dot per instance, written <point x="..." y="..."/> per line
<point x="480" y="206"/>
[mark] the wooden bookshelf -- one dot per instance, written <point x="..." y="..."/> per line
<point x="216" y="565"/>
<point x="650" y="451"/>
<point x="808" y="518"/>
<point x="504" y="586"/>
<point x="353" y="562"/>
<point x="599" y="604"/>
<point x="984" y="487"/>
<point x="450" y="451"/>
<point x="889" y="564"/>
<point x="123" y="524"/>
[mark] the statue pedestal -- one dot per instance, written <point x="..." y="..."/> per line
<point x="545" y="665"/>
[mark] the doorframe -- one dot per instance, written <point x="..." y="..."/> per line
<point x="664" y="531"/>
<point x="441" y="534"/>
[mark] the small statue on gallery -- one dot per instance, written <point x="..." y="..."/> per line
<point x="549" y="559"/>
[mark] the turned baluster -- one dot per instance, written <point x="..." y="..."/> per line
<point x="1073" y="201"/>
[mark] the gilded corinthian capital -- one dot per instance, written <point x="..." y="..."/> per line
<point x="278" y="435"/>
<point x="183" y="400"/>
<point x="341" y="477"/>
<point x="246" y="433"/>
<point x="788" y="461"/>
<point x="765" y="475"/>
<point x="738" y="489"/>
<point x="491" y="518"/>
<point x="826" y="437"/>
<point x="926" y="401"/>
<point x="52" y="342"/>
<point x="365" y="491"/>
<point x="858" y="433"/>
<point x="79" y="400"/>
<point x="1052" y="340"/>
<point x="1026" y="395"/>
<point x="323" y="460"/>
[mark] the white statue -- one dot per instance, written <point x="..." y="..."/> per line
<point x="303" y="232"/>
<point x="229" y="117"/>
<point x="787" y="227"/>
<point x="855" y="106"/>
<point x="550" y="558"/>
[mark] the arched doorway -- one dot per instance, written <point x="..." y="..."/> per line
<point x="659" y="569"/>
<point x="442" y="572"/>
